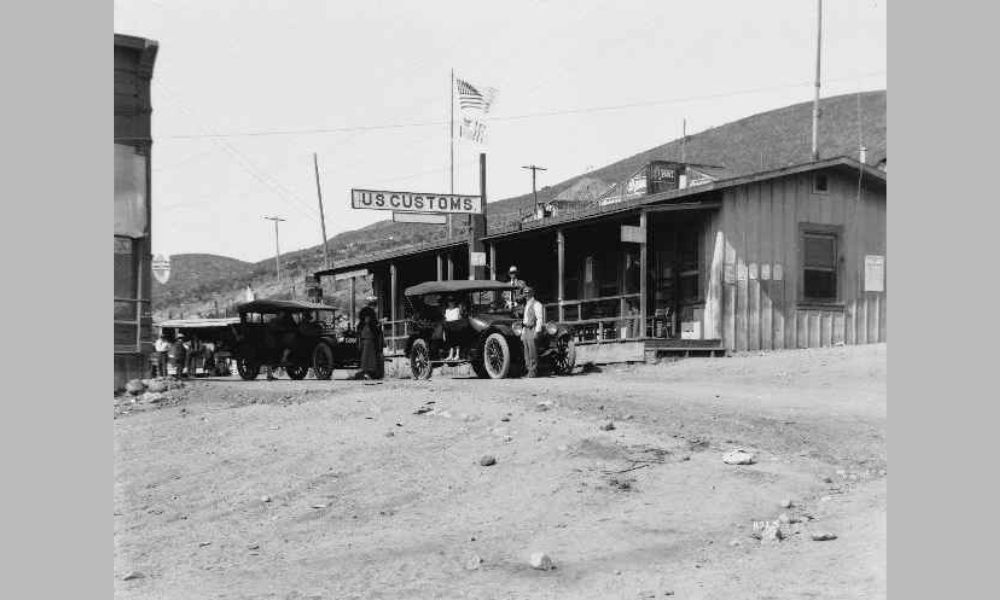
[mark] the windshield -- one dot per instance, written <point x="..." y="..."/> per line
<point x="433" y="306"/>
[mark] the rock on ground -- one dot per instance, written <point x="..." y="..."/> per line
<point x="135" y="387"/>
<point x="822" y="536"/>
<point x="488" y="460"/>
<point x="157" y="386"/>
<point x="738" y="457"/>
<point x="541" y="561"/>
<point x="474" y="562"/>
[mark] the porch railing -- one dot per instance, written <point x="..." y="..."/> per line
<point x="604" y="319"/>
<point x="395" y="334"/>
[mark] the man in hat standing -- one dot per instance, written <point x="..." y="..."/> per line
<point x="534" y="318"/>
<point x="516" y="295"/>
<point x="179" y="354"/>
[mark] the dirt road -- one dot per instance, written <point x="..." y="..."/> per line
<point x="294" y="490"/>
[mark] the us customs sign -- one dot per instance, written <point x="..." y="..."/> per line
<point x="417" y="202"/>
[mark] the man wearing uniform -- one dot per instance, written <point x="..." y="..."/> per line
<point x="534" y="317"/>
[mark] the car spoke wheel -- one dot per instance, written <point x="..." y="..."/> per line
<point x="496" y="356"/>
<point x="565" y="357"/>
<point x="322" y="363"/>
<point x="247" y="369"/>
<point x="420" y="360"/>
<point x="297" y="371"/>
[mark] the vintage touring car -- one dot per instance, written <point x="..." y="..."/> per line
<point x="490" y="338"/>
<point x="267" y="328"/>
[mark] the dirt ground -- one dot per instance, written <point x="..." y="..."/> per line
<point x="337" y="489"/>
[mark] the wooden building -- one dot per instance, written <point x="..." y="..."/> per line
<point x="699" y="262"/>
<point x="133" y="328"/>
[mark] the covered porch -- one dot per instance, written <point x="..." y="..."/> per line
<point x="631" y="283"/>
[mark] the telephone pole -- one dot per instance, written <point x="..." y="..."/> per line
<point x="277" y="248"/>
<point x="322" y="218"/>
<point x="534" y="189"/>
<point x="819" y="46"/>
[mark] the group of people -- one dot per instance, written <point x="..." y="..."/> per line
<point x="182" y="354"/>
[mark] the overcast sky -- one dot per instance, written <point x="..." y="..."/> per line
<point x="237" y="67"/>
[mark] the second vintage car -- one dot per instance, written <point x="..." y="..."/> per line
<point x="296" y="336"/>
<point x="489" y="339"/>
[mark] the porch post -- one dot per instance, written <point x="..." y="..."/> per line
<point x="392" y="298"/>
<point x="350" y="319"/>
<point x="451" y="267"/>
<point x="643" y="273"/>
<point x="561" y="270"/>
<point x="493" y="261"/>
<point x="440" y="267"/>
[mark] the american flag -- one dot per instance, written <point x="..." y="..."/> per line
<point x="471" y="98"/>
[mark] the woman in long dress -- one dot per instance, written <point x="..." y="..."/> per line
<point x="370" y="342"/>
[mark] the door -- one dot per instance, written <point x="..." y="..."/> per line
<point x="675" y="294"/>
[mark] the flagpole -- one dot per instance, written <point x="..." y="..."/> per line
<point x="451" y="101"/>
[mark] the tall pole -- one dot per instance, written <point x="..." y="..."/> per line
<point x="277" y="247"/>
<point x="819" y="46"/>
<point x="451" y="138"/>
<point x="684" y="139"/>
<point x="322" y="217"/>
<point x="534" y="190"/>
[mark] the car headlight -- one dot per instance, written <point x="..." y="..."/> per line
<point x="518" y="328"/>
<point x="551" y="328"/>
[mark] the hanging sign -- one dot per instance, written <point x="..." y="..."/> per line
<point x="478" y="259"/>
<point x="633" y="234"/>
<point x="415" y="202"/>
<point x="161" y="268"/>
<point x="404" y="217"/>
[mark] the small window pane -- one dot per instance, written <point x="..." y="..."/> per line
<point x="820" y="284"/>
<point x="125" y="269"/>
<point x="820" y="251"/>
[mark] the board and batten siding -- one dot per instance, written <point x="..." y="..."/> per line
<point x="753" y="273"/>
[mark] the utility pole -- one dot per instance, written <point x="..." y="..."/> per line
<point x="819" y="45"/>
<point x="322" y="218"/>
<point x="277" y="248"/>
<point x="534" y="190"/>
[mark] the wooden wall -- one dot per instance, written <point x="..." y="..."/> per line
<point x="753" y="273"/>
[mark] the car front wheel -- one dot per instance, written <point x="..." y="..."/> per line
<point x="248" y="370"/>
<point x="420" y="360"/>
<point x="496" y="356"/>
<point x="297" y="371"/>
<point x="322" y="362"/>
<point x="565" y="357"/>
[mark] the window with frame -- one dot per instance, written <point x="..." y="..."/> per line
<point x="821" y="183"/>
<point x="819" y="265"/>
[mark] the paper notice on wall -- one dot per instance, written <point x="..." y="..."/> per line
<point x="874" y="273"/>
<point x="765" y="271"/>
<point x="777" y="273"/>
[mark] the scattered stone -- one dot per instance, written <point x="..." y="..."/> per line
<point x="609" y="426"/>
<point x="541" y="561"/>
<point x="668" y="593"/>
<point x="827" y="480"/>
<point x="507" y="439"/>
<point x="153" y="398"/>
<point x="265" y="498"/>
<point x="203" y="544"/>
<point x="319" y="505"/>
<point x="474" y="562"/>
<point x="629" y="417"/>
<point x="618" y="572"/>
<point x="822" y="536"/>
<point x="390" y="433"/>
<point x="771" y="534"/>
<point x="488" y="461"/>
<point x="738" y="457"/>
<point x="787" y="503"/>
<point x="422" y="410"/>
<point x="132" y="575"/>
<point x="157" y="386"/>
<point x="735" y="543"/>
<point x="135" y="387"/>
<point x="543" y="406"/>
<point x="505" y="419"/>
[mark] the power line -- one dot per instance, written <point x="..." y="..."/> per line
<point x="534" y="115"/>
